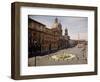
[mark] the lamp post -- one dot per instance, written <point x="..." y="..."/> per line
<point x="35" y="61"/>
<point x="78" y="39"/>
<point x="35" y="51"/>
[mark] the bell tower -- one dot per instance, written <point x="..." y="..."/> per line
<point x="66" y="31"/>
<point x="56" y="20"/>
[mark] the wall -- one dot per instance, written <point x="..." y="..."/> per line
<point x="5" y="40"/>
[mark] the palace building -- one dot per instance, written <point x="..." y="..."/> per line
<point x="43" y="40"/>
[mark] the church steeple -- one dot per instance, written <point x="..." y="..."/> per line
<point x="56" y="23"/>
<point x="56" y="20"/>
<point x="66" y="31"/>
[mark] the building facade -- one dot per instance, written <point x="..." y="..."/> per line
<point x="42" y="40"/>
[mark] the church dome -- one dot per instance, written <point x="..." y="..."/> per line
<point x="56" y="24"/>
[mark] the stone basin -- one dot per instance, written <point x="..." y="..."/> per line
<point x="63" y="57"/>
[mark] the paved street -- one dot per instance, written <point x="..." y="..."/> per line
<point x="79" y="53"/>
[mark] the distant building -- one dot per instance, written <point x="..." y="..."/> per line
<point x="73" y="43"/>
<point x="42" y="40"/>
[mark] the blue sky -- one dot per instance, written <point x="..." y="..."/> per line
<point x="74" y="25"/>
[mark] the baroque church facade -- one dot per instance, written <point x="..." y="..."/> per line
<point x="42" y="40"/>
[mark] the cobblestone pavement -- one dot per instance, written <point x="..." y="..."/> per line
<point x="80" y="58"/>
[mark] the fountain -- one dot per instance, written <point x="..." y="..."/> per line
<point x="62" y="57"/>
